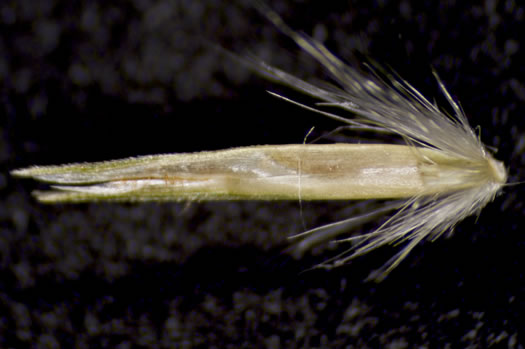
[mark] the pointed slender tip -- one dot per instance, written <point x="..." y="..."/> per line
<point x="23" y="172"/>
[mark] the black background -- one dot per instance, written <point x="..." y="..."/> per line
<point x="99" y="80"/>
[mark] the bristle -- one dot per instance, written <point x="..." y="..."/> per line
<point x="395" y="106"/>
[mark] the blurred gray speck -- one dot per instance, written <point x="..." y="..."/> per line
<point x="20" y="219"/>
<point x="79" y="74"/>
<point x="48" y="34"/>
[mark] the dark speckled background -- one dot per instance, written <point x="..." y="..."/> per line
<point x="98" y="80"/>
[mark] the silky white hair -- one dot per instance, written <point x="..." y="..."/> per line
<point x="383" y="102"/>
